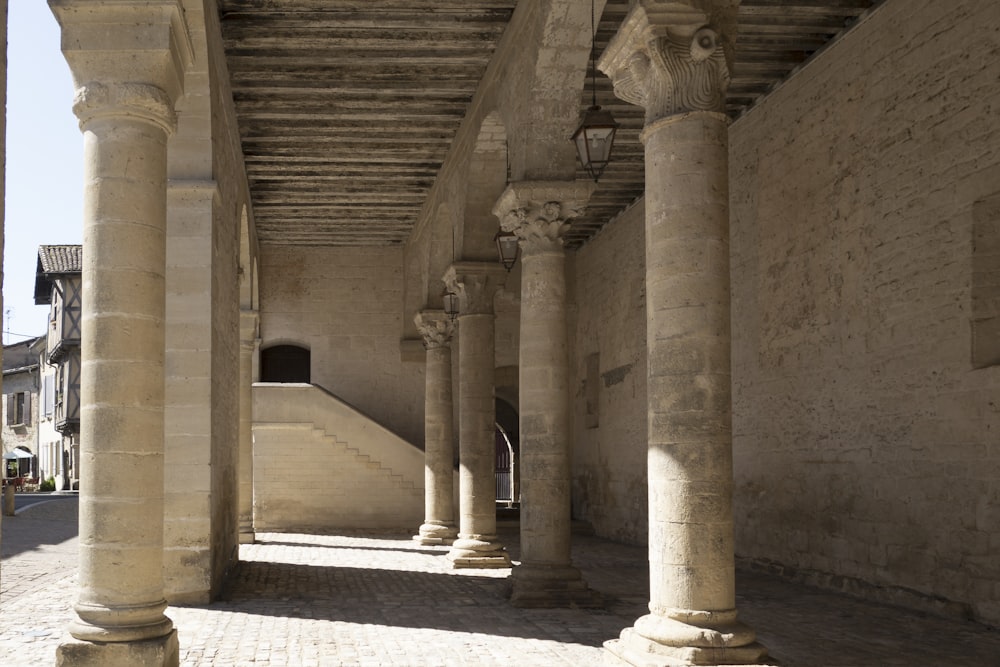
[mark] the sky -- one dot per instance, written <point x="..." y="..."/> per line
<point x="44" y="188"/>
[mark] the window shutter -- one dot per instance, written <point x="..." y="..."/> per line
<point x="11" y="408"/>
<point x="26" y="417"/>
<point x="50" y="395"/>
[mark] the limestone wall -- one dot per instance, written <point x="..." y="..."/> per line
<point x="345" y="306"/>
<point x="607" y="333"/>
<point x="865" y="436"/>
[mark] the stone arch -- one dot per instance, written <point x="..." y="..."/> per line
<point x="285" y="362"/>
<point x="485" y="182"/>
<point x="546" y="102"/>
<point x="247" y="263"/>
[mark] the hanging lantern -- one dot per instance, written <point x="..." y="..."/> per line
<point x="594" y="139"/>
<point x="450" y="300"/>
<point x="596" y="134"/>
<point x="508" y="248"/>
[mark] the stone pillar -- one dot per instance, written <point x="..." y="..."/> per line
<point x="672" y="60"/>
<point x="126" y="70"/>
<point x="248" y="338"/>
<point x="477" y="545"/>
<point x="436" y="329"/>
<point x="3" y="182"/>
<point x="538" y="213"/>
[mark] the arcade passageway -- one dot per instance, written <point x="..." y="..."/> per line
<point x="382" y="599"/>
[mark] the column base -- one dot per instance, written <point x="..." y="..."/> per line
<point x="484" y="552"/>
<point x="162" y="651"/>
<point x="658" y="641"/>
<point x="549" y="586"/>
<point x="436" y="533"/>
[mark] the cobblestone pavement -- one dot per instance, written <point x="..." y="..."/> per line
<point x="378" y="599"/>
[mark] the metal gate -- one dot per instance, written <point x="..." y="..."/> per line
<point x="504" y="467"/>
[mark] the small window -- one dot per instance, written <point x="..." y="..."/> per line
<point x="18" y="408"/>
<point x="285" y="363"/>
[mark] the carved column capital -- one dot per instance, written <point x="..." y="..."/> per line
<point x="538" y="212"/>
<point x="435" y="327"/>
<point x="475" y="283"/>
<point x="95" y="100"/>
<point x="672" y="57"/>
<point x="127" y="57"/>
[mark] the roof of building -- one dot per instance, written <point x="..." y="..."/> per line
<point x="21" y="356"/>
<point x="60" y="258"/>
<point x="55" y="260"/>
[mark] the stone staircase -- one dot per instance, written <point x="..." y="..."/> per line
<point x="321" y="466"/>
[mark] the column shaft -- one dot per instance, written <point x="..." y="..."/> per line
<point x="122" y="382"/>
<point x="477" y="544"/>
<point x="668" y="58"/>
<point x="538" y="213"/>
<point x="439" y="512"/>
<point x="688" y="338"/>
<point x="248" y="321"/>
<point x="439" y="523"/>
<point x="544" y="411"/>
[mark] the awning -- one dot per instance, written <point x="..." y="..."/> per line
<point x="18" y="453"/>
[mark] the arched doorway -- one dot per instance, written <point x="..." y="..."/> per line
<point x="285" y="363"/>
<point x="504" y="468"/>
<point x="506" y="462"/>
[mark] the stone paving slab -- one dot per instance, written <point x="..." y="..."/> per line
<point x="368" y="600"/>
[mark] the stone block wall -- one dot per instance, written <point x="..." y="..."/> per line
<point x="345" y="305"/>
<point x="306" y="481"/>
<point x="865" y="431"/>
<point x="607" y="336"/>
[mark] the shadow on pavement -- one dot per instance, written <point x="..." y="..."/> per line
<point x="40" y="524"/>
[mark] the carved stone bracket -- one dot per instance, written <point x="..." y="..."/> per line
<point x="475" y="283"/>
<point x="671" y="57"/>
<point x="435" y="327"/>
<point x="538" y="212"/>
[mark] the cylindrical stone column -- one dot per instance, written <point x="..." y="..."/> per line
<point x="121" y="595"/>
<point x="127" y="63"/>
<point x="538" y="213"/>
<point x="436" y="328"/>
<point x="248" y="334"/>
<point x="477" y="545"/>
<point x="668" y="59"/>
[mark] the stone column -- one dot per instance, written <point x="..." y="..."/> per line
<point x="477" y="545"/>
<point x="436" y="329"/>
<point x="538" y="213"/>
<point x="3" y="182"/>
<point x="125" y="67"/>
<point x="672" y="60"/>
<point x="248" y="338"/>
